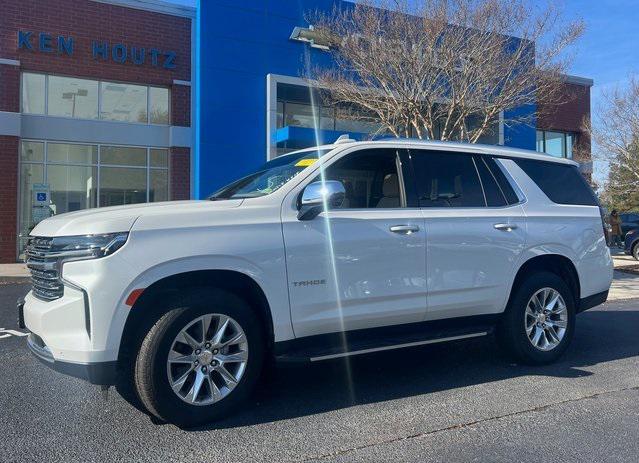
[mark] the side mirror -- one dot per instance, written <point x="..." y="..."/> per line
<point x="316" y="194"/>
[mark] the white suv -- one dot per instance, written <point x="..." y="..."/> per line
<point x="323" y="253"/>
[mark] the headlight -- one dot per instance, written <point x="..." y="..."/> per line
<point x="88" y="246"/>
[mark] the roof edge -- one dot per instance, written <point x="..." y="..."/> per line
<point x="570" y="79"/>
<point x="155" y="6"/>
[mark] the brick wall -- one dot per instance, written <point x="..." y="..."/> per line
<point x="8" y="197"/>
<point x="87" y="21"/>
<point x="181" y="105"/>
<point x="9" y="88"/>
<point x="569" y="116"/>
<point x="180" y="168"/>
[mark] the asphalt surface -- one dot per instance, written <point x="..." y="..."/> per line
<point x="461" y="401"/>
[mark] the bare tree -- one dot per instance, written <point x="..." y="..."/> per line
<point x="616" y="134"/>
<point x="442" y="69"/>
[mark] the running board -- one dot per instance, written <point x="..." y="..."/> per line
<point x="397" y="346"/>
<point x="359" y="342"/>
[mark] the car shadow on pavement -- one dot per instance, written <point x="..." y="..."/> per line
<point x="305" y="389"/>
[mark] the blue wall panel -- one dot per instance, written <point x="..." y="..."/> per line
<point x="239" y="44"/>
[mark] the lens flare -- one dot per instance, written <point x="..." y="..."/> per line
<point x="329" y="237"/>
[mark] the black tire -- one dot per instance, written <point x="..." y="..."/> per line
<point x="635" y="250"/>
<point x="511" y="330"/>
<point x="151" y="380"/>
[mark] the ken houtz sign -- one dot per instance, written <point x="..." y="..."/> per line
<point x="101" y="50"/>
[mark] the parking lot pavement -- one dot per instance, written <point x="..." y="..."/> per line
<point x="455" y="402"/>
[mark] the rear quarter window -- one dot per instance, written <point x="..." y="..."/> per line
<point x="562" y="183"/>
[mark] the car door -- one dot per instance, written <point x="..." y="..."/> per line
<point x="629" y="221"/>
<point x="475" y="230"/>
<point x="361" y="265"/>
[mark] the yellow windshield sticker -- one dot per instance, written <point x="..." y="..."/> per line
<point x="305" y="162"/>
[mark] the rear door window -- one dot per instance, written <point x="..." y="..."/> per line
<point x="446" y="179"/>
<point x="503" y="182"/>
<point x="562" y="183"/>
<point x="494" y="195"/>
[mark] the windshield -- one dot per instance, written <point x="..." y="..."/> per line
<point x="270" y="177"/>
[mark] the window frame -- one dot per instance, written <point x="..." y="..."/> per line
<point x="99" y="108"/>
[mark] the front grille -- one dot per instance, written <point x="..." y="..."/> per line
<point x="44" y="269"/>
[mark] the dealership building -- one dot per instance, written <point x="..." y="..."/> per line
<point x="111" y="102"/>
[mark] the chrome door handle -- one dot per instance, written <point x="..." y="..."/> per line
<point x="505" y="226"/>
<point x="404" y="229"/>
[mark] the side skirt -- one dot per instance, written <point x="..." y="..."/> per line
<point x="358" y="342"/>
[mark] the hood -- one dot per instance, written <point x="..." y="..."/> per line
<point x="117" y="218"/>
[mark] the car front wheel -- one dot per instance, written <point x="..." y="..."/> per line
<point x="200" y="360"/>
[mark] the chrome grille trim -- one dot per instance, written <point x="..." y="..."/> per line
<point x="44" y="268"/>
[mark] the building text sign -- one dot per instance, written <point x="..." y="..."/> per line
<point x="101" y="50"/>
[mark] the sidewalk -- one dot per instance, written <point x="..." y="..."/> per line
<point x="13" y="271"/>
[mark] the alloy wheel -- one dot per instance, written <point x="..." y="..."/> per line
<point x="546" y="319"/>
<point x="207" y="359"/>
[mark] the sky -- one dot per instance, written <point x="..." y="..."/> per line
<point x="608" y="52"/>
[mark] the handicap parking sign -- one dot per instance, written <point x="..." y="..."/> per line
<point x="40" y="194"/>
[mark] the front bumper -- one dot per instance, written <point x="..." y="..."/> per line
<point x="101" y="373"/>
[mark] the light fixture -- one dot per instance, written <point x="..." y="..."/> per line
<point x="310" y="36"/>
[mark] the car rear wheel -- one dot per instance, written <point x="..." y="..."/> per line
<point x="539" y="322"/>
<point x="635" y="250"/>
<point x="201" y="360"/>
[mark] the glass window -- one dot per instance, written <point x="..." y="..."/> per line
<point x="494" y="196"/>
<point x="280" y="114"/>
<point x="32" y="151"/>
<point x="563" y="184"/>
<point x="504" y="184"/>
<point x="73" y="188"/>
<point x="158" y="185"/>
<point x="123" y="102"/>
<point x="72" y="154"/>
<point x="569" y="143"/>
<point x="121" y="185"/>
<point x="270" y="177"/>
<point x="123" y="156"/>
<point x="446" y="180"/>
<point x="299" y="115"/>
<point x="159" y="158"/>
<point x="370" y="179"/>
<point x="327" y="118"/>
<point x="30" y="174"/>
<point x="159" y="105"/>
<point x="71" y="97"/>
<point x="555" y="144"/>
<point x="33" y="91"/>
<point x="344" y="124"/>
<point x="540" y="141"/>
